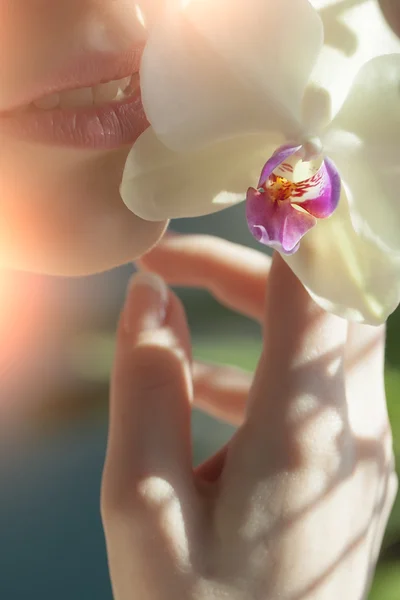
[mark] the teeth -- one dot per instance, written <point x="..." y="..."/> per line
<point x="76" y="98"/>
<point x="132" y="86"/>
<point x="48" y="102"/>
<point x="103" y="93"/>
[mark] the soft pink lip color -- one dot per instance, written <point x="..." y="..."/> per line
<point x="108" y="126"/>
<point x="105" y="127"/>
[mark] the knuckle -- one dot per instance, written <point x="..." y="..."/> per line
<point x="140" y="503"/>
<point x="156" y="368"/>
<point x="117" y="504"/>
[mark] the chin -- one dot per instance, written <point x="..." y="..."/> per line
<point x="62" y="214"/>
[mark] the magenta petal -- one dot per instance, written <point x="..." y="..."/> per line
<point x="276" y="224"/>
<point x="276" y="159"/>
<point x="320" y="195"/>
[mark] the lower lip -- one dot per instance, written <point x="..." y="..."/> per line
<point x="105" y="127"/>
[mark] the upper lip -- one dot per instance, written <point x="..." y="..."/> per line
<point x="85" y="71"/>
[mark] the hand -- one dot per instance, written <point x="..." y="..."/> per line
<point x="295" y="506"/>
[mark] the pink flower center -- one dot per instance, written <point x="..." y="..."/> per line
<point x="291" y="196"/>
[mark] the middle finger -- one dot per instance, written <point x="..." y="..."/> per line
<point x="221" y="391"/>
<point x="234" y="274"/>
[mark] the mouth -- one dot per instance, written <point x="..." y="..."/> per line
<point x="107" y="114"/>
<point x="116" y="91"/>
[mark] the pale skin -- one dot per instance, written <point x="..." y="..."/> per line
<point x="296" y="505"/>
<point x="60" y="209"/>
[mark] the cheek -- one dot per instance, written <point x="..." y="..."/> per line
<point x="28" y="26"/>
<point x="32" y="33"/>
<point x="50" y="197"/>
<point x="391" y="10"/>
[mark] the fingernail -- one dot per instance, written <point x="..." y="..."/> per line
<point x="147" y="293"/>
<point x="171" y="233"/>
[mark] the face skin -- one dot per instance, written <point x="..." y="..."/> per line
<point x="60" y="208"/>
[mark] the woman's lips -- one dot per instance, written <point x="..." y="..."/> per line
<point x="104" y="127"/>
<point x="83" y="71"/>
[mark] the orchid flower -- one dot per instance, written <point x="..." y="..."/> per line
<point x="294" y="106"/>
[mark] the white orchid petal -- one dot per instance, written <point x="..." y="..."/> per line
<point x="159" y="183"/>
<point x="221" y="68"/>
<point x="189" y="96"/>
<point x="346" y="273"/>
<point x="355" y="32"/>
<point x="364" y="142"/>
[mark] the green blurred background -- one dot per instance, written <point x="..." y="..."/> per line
<point x="56" y="349"/>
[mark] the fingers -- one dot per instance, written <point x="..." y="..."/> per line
<point x="234" y="274"/>
<point x="221" y="391"/>
<point x="297" y="407"/>
<point x="366" y="347"/>
<point x="98" y="232"/>
<point x="149" y="445"/>
<point x="303" y="349"/>
<point x="387" y="503"/>
<point x="364" y="364"/>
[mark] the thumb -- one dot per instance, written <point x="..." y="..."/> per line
<point x="296" y="412"/>
<point x="303" y="345"/>
<point x="151" y="389"/>
<point x="297" y="402"/>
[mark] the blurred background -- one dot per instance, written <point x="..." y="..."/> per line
<point x="56" y="349"/>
